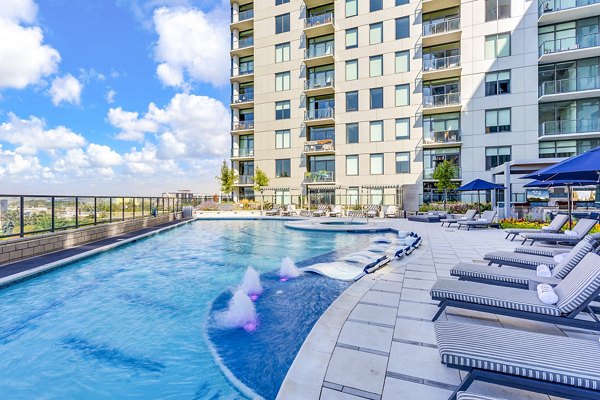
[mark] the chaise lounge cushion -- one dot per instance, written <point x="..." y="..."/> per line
<point x="509" y="257"/>
<point x="541" y="251"/>
<point x="578" y="286"/>
<point x="517" y="276"/>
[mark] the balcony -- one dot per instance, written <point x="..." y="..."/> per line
<point x="242" y="153"/>
<point x="314" y="147"/>
<point x="242" y="99"/>
<point x="556" y="11"/>
<point x="441" y="68"/>
<point x="315" y="178"/>
<point x="319" y="54"/>
<point x="244" y="20"/>
<point x="243" y="47"/>
<point x="571" y="48"/>
<point x="319" y="25"/>
<point x="242" y="75"/>
<point x="569" y="89"/>
<point x="243" y="126"/>
<point x="245" y="180"/>
<point x="441" y="31"/>
<point x="441" y="103"/>
<point x="441" y="138"/>
<point x="319" y="86"/>
<point x="428" y="173"/>
<point x="580" y="128"/>
<point x="321" y="116"/>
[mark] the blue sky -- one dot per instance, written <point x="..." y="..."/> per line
<point x="113" y="96"/>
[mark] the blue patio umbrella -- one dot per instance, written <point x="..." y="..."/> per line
<point x="478" y="185"/>
<point x="585" y="166"/>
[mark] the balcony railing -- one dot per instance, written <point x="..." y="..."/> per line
<point x="569" y="85"/>
<point x="567" y="127"/>
<point x="242" y="43"/>
<point x="243" y="97"/>
<point x="319" y="50"/>
<point x="319" y="19"/>
<point x="550" y="6"/>
<point x="570" y="43"/>
<point x="319" y="146"/>
<point x="428" y="173"/>
<point x="245" y="70"/>
<point x="243" y="125"/>
<point x="436" y="64"/>
<point x="437" y="27"/>
<point x="437" y="137"/>
<point x="319" y="177"/>
<point x="441" y="100"/>
<point x="242" y="152"/>
<point x="245" y="179"/>
<point x="319" y="83"/>
<point x="244" y="16"/>
<point x="320" y="113"/>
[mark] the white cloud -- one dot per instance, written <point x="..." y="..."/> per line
<point x="103" y="156"/>
<point x="146" y="162"/>
<point x="88" y="75"/>
<point x="18" y="10"/>
<point x="110" y="96"/>
<point x="66" y="89"/>
<point x="18" y="165"/>
<point x="132" y="128"/>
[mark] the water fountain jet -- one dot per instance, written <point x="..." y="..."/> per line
<point x="251" y="284"/>
<point x="241" y="313"/>
<point x="288" y="270"/>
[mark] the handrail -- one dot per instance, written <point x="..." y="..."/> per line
<point x="446" y="136"/>
<point x="441" y="100"/>
<point x="319" y="113"/>
<point x="319" y="50"/>
<point x="569" y="85"/>
<point x="569" y="43"/>
<point x="243" y="125"/>
<point x="319" y="19"/>
<point x="566" y="127"/>
<point x="436" y="64"/>
<point x="322" y="82"/>
<point x="550" y="6"/>
<point x="441" y="26"/>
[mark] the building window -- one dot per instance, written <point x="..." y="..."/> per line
<point x="352" y="133"/>
<point x="401" y="2"/>
<point x="497" y="9"/>
<point x="497" y="83"/>
<point x="495" y="156"/>
<point x="351" y="38"/>
<point x="376" y="131"/>
<point x="352" y="101"/>
<point x="353" y="196"/>
<point x="497" y="46"/>
<point x="352" y="165"/>
<point x="282" y="23"/>
<point x="282" y="139"/>
<point x="283" y="197"/>
<point x="566" y="148"/>
<point x="376" y="164"/>
<point x="280" y="2"/>
<point x="376" y="196"/>
<point x="351" y="8"/>
<point x="375" y="66"/>
<point x="282" y="52"/>
<point x="282" y="109"/>
<point x="402" y="28"/>
<point x="402" y="128"/>
<point x="282" y="168"/>
<point x="402" y="61"/>
<point x="376" y="33"/>
<point x="376" y="98"/>
<point x="375" y="5"/>
<point x="497" y="120"/>
<point x="282" y="81"/>
<point x="402" y="95"/>
<point x="403" y="162"/>
<point x="351" y="70"/>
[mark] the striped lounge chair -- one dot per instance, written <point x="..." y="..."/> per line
<point x="372" y="211"/>
<point x="542" y="251"/>
<point x="575" y="293"/>
<point x="583" y="227"/>
<point x="321" y="211"/>
<point x="555" y="226"/>
<point x="469" y="216"/>
<point x="553" y="365"/>
<point x="485" y="221"/>
<point x="275" y="211"/>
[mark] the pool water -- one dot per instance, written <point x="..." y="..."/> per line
<point x="131" y="323"/>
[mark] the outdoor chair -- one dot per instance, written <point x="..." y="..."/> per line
<point x="555" y="226"/>
<point x="581" y="229"/>
<point x="575" y="293"/>
<point x="372" y="211"/>
<point x="469" y="216"/>
<point x="484" y="222"/>
<point x="275" y="211"/>
<point x="554" y="365"/>
<point x="321" y="211"/>
<point x="289" y="210"/>
<point x="336" y="211"/>
<point x="542" y="251"/>
<point x="390" y="212"/>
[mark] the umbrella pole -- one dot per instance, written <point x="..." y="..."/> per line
<point x="570" y="203"/>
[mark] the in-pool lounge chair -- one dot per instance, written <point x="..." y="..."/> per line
<point x="484" y="222"/>
<point x="558" y="366"/>
<point x="555" y="226"/>
<point x="469" y="216"/>
<point x="582" y="228"/>
<point x="336" y="211"/>
<point x="575" y="293"/>
<point x="390" y="212"/>
<point x="321" y="211"/>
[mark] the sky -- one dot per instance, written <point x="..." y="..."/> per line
<point x="113" y="97"/>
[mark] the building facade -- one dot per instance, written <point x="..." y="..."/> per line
<point x="357" y="101"/>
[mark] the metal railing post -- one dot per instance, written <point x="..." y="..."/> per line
<point x="142" y="207"/>
<point x="53" y="211"/>
<point x="95" y="211"/>
<point x="76" y="212"/>
<point x="22" y="216"/>
<point x="123" y="208"/>
<point x="110" y="209"/>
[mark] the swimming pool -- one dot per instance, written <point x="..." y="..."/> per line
<point x="131" y="323"/>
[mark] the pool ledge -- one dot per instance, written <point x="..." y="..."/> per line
<point x="356" y="225"/>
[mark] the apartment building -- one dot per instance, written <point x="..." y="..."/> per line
<point x="358" y="100"/>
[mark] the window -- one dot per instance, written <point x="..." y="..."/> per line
<point x="376" y="98"/>
<point x="497" y="83"/>
<point x="282" y="109"/>
<point x="402" y="95"/>
<point x="282" y="52"/>
<point x="376" y="33"/>
<point x="497" y="46"/>
<point x="351" y="8"/>
<point x="403" y="162"/>
<point x="351" y="70"/>
<point x="351" y="38"/>
<point x="353" y="196"/>
<point x="282" y="23"/>
<point x="375" y="66"/>
<point x="403" y="128"/>
<point x="376" y="131"/>
<point x="282" y="81"/>
<point x="497" y="120"/>
<point x="402" y="61"/>
<point x="351" y="101"/>
<point x="376" y="196"/>
<point x="402" y="28"/>
<point x="282" y="139"/>
<point x="401" y="2"/>
<point x="283" y="197"/>
<point x="282" y="168"/>
<point x="376" y="164"/>
<point x="495" y="156"/>
<point x="497" y="9"/>
<point x="280" y="2"/>
<point x="352" y="165"/>
<point x="375" y="5"/>
<point x="352" y="133"/>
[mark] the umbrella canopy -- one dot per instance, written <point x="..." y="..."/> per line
<point x="479" y="184"/>
<point x="558" y="183"/>
<point x="585" y="166"/>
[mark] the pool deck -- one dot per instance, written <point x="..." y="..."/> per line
<point x="377" y="341"/>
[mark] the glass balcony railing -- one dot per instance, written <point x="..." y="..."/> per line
<point x="436" y="64"/>
<point x="319" y="146"/>
<point x="570" y="43"/>
<point x="319" y="83"/>
<point x="242" y="152"/>
<point x="319" y="50"/>
<point x="550" y="6"/>
<point x="441" y="100"/>
<point x="428" y="173"/>
<point x="243" y="43"/>
<point x="319" y="19"/>
<point x="242" y="70"/>
<point x="245" y="179"/>
<point x="321" y="176"/>
<point x="243" y="97"/>
<point x="243" y="125"/>
<point x="439" y="137"/>
<point x="569" y="85"/>
<point x="320" y="113"/>
<point x="441" y="26"/>
<point x="245" y="15"/>
<point x="567" y="127"/>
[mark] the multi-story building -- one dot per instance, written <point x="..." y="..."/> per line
<point x="335" y="99"/>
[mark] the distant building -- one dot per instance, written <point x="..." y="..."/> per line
<point x="184" y="195"/>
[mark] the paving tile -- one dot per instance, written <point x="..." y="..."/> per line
<point x="383" y="298"/>
<point x="422" y="362"/>
<point x="417" y="310"/>
<point x="396" y="389"/>
<point x="420" y="267"/>
<point x="418" y="284"/>
<point x="388" y="286"/>
<point x="366" y="336"/>
<point x="357" y="369"/>
<point x="394" y="277"/>
<point x="369" y="313"/>
<point x="421" y="275"/>
<point x="329" y="394"/>
<point x="417" y="295"/>
<point x="415" y="331"/>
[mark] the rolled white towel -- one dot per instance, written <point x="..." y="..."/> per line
<point x="559" y="257"/>
<point x="430" y="213"/>
<point x="543" y="270"/>
<point x="546" y="294"/>
<point x="482" y="220"/>
<point x="570" y="233"/>
<point x="546" y="228"/>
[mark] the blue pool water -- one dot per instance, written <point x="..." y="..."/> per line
<point x="133" y="323"/>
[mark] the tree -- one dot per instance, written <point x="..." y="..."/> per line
<point x="443" y="174"/>
<point x="260" y="181"/>
<point x="226" y="178"/>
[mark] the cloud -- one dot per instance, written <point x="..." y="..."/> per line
<point x="103" y="156"/>
<point x="132" y="128"/>
<point x="11" y="163"/>
<point x="110" y="96"/>
<point x="66" y="89"/>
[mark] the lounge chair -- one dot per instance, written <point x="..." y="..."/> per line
<point x="289" y="210"/>
<point x="555" y="226"/>
<point x="336" y="211"/>
<point x="390" y="212"/>
<point x="542" y="251"/>
<point x="558" y="366"/>
<point x="275" y="211"/>
<point x="469" y="216"/>
<point x="372" y="211"/>
<point x="321" y="211"/>
<point x="575" y="293"/>
<point x="581" y="229"/>
<point x="485" y="221"/>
